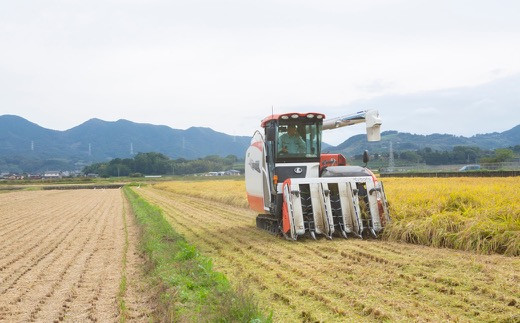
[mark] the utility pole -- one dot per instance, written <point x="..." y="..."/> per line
<point x="391" y="162"/>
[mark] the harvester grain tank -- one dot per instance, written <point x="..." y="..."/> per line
<point x="299" y="191"/>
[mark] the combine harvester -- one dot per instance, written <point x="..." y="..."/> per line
<point x="299" y="191"/>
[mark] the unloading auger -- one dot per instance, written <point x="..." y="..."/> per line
<point x="299" y="191"/>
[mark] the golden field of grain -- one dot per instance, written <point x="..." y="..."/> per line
<point x="340" y="280"/>
<point x="480" y="214"/>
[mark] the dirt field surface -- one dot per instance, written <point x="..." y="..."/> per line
<point x="63" y="255"/>
<point x="345" y="280"/>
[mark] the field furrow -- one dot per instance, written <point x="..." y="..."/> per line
<point x="344" y="280"/>
<point x="70" y="265"/>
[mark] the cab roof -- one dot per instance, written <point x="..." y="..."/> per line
<point x="292" y="115"/>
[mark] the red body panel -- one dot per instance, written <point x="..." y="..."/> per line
<point x="286" y="225"/>
<point x="256" y="203"/>
<point x="332" y="160"/>
<point x="259" y="145"/>
<point x="278" y="116"/>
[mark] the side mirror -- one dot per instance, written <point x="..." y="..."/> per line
<point x="366" y="159"/>
<point x="270" y="132"/>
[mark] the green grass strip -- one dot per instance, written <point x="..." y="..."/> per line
<point x="190" y="290"/>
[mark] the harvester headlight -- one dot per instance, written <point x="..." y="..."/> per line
<point x="319" y="116"/>
<point x="285" y="117"/>
<point x="310" y="116"/>
<point x="294" y="116"/>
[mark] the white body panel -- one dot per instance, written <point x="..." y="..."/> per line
<point x="350" y="212"/>
<point x="370" y="117"/>
<point x="313" y="171"/>
<point x="257" y="182"/>
<point x="351" y="217"/>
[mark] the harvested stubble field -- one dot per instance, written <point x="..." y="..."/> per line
<point x="339" y="280"/>
<point x="64" y="256"/>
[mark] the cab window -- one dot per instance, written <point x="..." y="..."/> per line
<point x="298" y="140"/>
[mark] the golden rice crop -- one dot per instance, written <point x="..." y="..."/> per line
<point x="481" y="214"/>
<point x="343" y="281"/>
<point x="231" y="192"/>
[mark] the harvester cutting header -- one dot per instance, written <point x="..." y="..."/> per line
<point x="299" y="191"/>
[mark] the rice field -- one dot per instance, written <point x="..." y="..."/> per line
<point x="70" y="255"/>
<point x="340" y="280"/>
<point x="479" y="214"/>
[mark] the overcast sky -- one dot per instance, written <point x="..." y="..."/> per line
<point x="427" y="66"/>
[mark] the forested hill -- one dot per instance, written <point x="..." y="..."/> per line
<point x="26" y="146"/>
<point x="107" y="140"/>
<point x="405" y="141"/>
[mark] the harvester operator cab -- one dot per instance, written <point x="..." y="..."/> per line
<point x="298" y="140"/>
<point x="296" y="137"/>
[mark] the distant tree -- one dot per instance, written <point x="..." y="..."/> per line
<point x="500" y="155"/>
<point x="410" y="156"/>
<point x="158" y="164"/>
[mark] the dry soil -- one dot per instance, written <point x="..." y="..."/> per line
<point x="63" y="255"/>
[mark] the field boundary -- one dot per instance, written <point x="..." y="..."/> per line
<point x="190" y="290"/>
<point x="492" y="173"/>
<point x="82" y="187"/>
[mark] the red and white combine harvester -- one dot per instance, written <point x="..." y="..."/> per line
<point x="299" y="191"/>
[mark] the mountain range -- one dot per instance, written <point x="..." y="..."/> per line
<point x="97" y="140"/>
<point x="406" y="141"/>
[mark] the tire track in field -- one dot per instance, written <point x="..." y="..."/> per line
<point x="75" y="275"/>
<point x="372" y="279"/>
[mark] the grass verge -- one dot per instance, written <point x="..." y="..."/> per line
<point x="190" y="290"/>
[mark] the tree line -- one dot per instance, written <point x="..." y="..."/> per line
<point x="458" y="155"/>
<point x="158" y="164"/>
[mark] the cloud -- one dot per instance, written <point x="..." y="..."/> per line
<point x="425" y="111"/>
<point x="225" y="64"/>
<point x="489" y="107"/>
